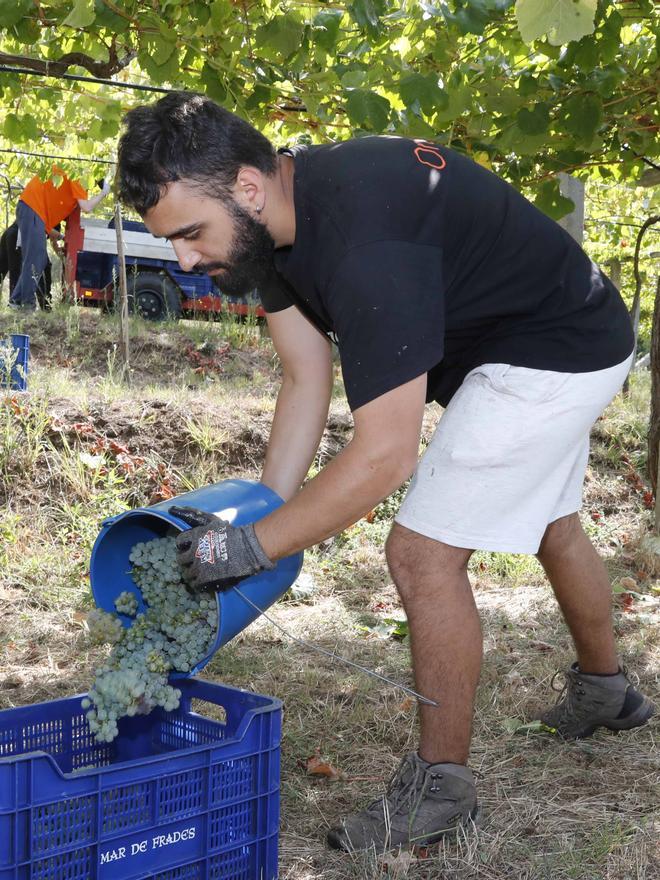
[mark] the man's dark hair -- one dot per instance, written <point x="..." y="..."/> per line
<point x="186" y="136"/>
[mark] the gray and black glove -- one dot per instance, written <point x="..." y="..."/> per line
<point x="214" y="555"/>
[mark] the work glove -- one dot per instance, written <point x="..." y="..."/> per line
<point x="107" y="186"/>
<point x="214" y="555"/>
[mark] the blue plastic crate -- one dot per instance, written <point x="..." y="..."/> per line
<point x="185" y="795"/>
<point x="17" y="380"/>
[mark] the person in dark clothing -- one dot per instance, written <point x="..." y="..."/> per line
<point x="10" y="256"/>
<point x="11" y="263"/>
<point x="437" y="281"/>
<point x="41" y="207"/>
<point x="44" y="289"/>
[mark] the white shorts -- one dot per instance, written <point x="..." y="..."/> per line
<point x="508" y="456"/>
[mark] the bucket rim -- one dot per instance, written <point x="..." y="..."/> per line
<point x="148" y="512"/>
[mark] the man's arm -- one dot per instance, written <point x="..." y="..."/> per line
<point x="55" y="237"/>
<point x="302" y="403"/>
<point x="88" y="205"/>
<point x="380" y="457"/>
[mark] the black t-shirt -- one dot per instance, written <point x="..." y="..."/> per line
<point x="415" y="259"/>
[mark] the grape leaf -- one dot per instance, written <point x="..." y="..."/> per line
<point x="582" y="116"/>
<point x="213" y="83"/>
<point x="283" y="33"/>
<point x="367" y="14"/>
<point x="21" y="128"/>
<point x="82" y="15"/>
<point x="326" y="29"/>
<point x="561" y="21"/>
<point x="424" y="90"/>
<point x="368" y="109"/>
<point x="12" y="128"/>
<point x="534" y="121"/>
<point x="550" y="200"/>
<point x="12" y="11"/>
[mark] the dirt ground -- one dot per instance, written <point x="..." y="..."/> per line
<point x="83" y="445"/>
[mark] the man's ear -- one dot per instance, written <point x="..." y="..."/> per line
<point x="249" y="189"/>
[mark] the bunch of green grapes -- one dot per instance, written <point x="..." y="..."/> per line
<point x="173" y="633"/>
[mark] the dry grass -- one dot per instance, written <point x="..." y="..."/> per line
<point x="585" y="811"/>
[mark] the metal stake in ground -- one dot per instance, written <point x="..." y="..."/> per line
<point x="334" y="656"/>
<point x="123" y="295"/>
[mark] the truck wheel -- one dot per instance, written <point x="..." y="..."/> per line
<point x="153" y="297"/>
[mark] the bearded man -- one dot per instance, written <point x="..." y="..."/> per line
<point x="437" y="281"/>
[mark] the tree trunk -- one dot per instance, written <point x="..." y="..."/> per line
<point x="654" y="423"/>
<point x="637" y="299"/>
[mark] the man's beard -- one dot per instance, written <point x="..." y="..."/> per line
<point x="250" y="261"/>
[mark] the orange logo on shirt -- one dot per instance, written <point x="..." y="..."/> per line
<point x="429" y="154"/>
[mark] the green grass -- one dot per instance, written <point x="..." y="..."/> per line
<point x="552" y="811"/>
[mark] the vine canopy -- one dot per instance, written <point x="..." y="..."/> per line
<point x="528" y="88"/>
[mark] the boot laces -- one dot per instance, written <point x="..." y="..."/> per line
<point x="570" y="694"/>
<point x="403" y="795"/>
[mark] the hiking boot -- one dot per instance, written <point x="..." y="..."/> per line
<point x="422" y="803"/>
<point x="21" y="306"/>
<point x="587" y="702"/>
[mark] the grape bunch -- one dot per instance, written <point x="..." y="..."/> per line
<point x="126" y="603"/>
<point x="104" y="628"/>
<point x="173" y="633"/>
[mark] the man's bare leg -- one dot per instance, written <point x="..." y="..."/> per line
<point x="445" y="637"/>
<point x="431" y="792"/>
<point x="584" y="593"/>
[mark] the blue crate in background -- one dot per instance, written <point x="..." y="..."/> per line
<point x="16" y="380"/>
<point x="185" y="795"/>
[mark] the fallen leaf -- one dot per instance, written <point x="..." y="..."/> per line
<point x="515" y="725"/>
<point x="541" y="646"/>
<point x="422" y="852"/>
<point x="162" y="493"/>
<point x="82" y="428"/>
<point x="628" y="583"/>
<point x="398" y="864"/>
<point x="119" y="448"/>
<point x="628" y="601"/>
<point x="317" y="766"/>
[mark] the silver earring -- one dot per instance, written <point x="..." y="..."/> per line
<point x="258" y="209"/>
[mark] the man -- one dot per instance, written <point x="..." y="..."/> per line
<point x="41" y="207"/>
<point x="10" y="256"/>
<point x="11" y="263"/>
<point x="438" y="281"/>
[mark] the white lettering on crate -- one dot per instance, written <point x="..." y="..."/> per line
<point x="176" y="837"/>
<point x="142" y="846"/>
<point x="113" y="855"/>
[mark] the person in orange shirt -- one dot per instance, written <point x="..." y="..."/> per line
<point x="41" y="207"/>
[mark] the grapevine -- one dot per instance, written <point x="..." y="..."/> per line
<point x="173" y="633"/>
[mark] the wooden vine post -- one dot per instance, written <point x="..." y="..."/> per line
<point x="123" y="296"/>
<point x="654" y="421"/>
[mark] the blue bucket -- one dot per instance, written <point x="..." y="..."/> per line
<point x="20" y="346"/>
<point x="236" y="501"/>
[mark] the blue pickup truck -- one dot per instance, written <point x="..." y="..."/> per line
<point x="158" y="289"/>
